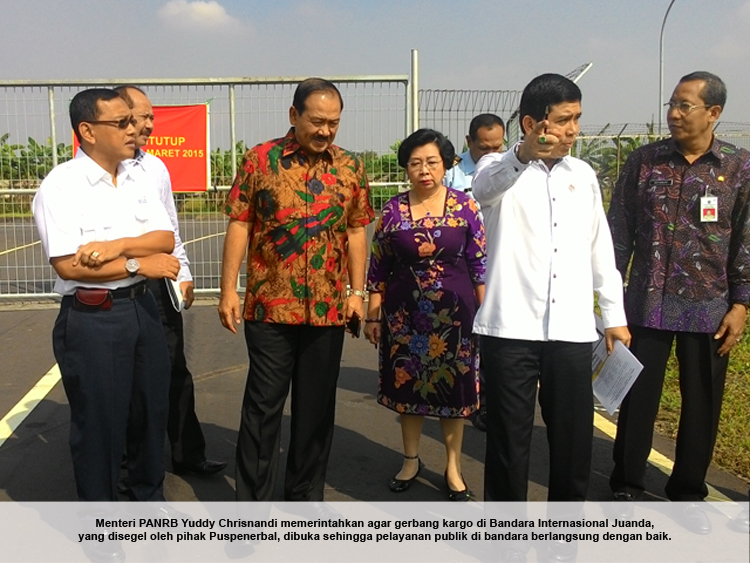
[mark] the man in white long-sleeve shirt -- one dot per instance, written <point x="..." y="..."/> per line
<point x="548" y="250"/>
<point x="183" y="428"/>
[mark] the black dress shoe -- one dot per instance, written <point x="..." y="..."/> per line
<point x="693" y="518"/>
<point x="324" y="511"/>
<point x="203" y="469"/>
<point x="122" y="487"/>
<point x="513" y="556"/>
<point x="479" y="419"/>
<point x="622" y="506"/>
<point x="238" y="549"/>
<point x="741" y="522"/>
<point x="104" y="552"/>
<point x="314" y="510"/>
<point x="560" y="552"/>
<point x="400" y="485"/>
<point x="458" y="496"/>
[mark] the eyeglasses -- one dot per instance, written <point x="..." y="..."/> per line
<point x="683" y="107"/>
<point x="418" y="164"/>
<point x="119" y="123"/>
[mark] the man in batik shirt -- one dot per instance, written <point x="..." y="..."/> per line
<point x="299" y="207"/>
<point x="681" y="209"/>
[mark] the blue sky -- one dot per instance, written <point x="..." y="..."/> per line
<point x="470" y="44"/>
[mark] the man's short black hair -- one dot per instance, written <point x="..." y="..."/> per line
<point x="308" y="87"/>
<point x="488" y="120"/>
<point x="545" y="91"/>
<point x="123" y="92"/>
<point x="84" y="106"/>
<point x="422" y="137"/>
<point x="714" y="92"/>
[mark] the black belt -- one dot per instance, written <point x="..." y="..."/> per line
<point x="131" y="292"/>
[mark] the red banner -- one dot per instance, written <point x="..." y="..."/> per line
<point x="180" y="139"/>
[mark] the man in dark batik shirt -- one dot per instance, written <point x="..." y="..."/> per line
<point x="681" y="209"/>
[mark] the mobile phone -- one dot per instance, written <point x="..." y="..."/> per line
<point x="354" y="325"/>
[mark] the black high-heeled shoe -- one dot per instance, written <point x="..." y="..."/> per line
<point x="458" y="496"/>
<point x="400" y="485"/>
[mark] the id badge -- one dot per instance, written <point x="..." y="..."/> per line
<point x="709" y="209"/>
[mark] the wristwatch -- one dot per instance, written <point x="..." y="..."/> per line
<point x="358" y="292"/>
<point x="132" y="266"/>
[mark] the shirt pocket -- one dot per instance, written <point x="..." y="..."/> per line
<point x="144" y="214"/>
<point x="95" y="229"/>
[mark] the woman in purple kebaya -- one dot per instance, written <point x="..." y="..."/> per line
<point x="426" y="280"/>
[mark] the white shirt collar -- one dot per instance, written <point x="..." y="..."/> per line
<point x="95" y="173"/>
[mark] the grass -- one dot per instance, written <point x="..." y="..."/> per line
<point x="732" y="451"/>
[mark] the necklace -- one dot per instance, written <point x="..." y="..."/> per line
<point x="422" y="201"/>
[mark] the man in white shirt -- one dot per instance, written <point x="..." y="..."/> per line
<point x="105" y="232"/>
<point x="486" y="135"/>
<point x="183" y="428"/>
<point x="548" y="250"/>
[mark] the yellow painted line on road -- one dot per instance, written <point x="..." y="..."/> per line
<point x="11" y="421"/>
<point x="185" y="243"/>
<point x="17" y="248"/>
<point x="660" y="461"/>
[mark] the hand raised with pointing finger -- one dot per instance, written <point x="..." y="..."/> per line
<point x="537" y="144"/>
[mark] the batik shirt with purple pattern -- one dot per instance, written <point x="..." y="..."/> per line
<point x="685" y="273"/>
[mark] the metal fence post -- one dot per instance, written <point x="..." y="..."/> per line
<point x="414" y="91"/>
<point x="619" y="150"/>
<point x="52" y="131"/>
<point x="232" y="131"/>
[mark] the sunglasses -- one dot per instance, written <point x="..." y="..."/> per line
<point x="119" y="123"/>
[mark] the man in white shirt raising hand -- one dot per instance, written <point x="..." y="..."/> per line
<point x="548" y="250"/>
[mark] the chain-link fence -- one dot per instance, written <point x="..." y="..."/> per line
<point x="451" y="111"/>
<point x="35" y="135"/>
<point x="244" y="112"/>
<point x="606" y="148"/>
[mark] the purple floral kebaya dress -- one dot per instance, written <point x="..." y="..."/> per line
<point x="427" y="270"/>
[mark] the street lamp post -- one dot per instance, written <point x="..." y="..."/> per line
<point x="661" y="64"/>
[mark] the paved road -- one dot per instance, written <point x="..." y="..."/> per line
<point x="35" y="461"/>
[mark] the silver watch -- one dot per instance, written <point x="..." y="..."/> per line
<point x="132" y="266"/>
<point x="358" y="292"/>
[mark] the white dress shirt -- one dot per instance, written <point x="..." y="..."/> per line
<point x="78" y="203"/>
<point x="155" y="168"/>
<point x="548" y="250"/>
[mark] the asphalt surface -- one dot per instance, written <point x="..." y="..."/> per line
<point x="35" y="462"/>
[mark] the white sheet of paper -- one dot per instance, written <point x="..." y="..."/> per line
<point x="616" y="376"/>
<point x="599" y="347"/>
<point x="175" y="294"/>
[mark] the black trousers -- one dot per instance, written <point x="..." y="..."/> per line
<point x="702" y="375"/>
<point x="309" y="358"/>
<point x="183" y="428"/>
<point x="563" y="371"/>
<point x="113" y="366"/>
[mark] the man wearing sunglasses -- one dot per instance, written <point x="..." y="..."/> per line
<point x="105" y="233"/>
<point x="183" y="428"/>
<point x="681" y="210"/>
